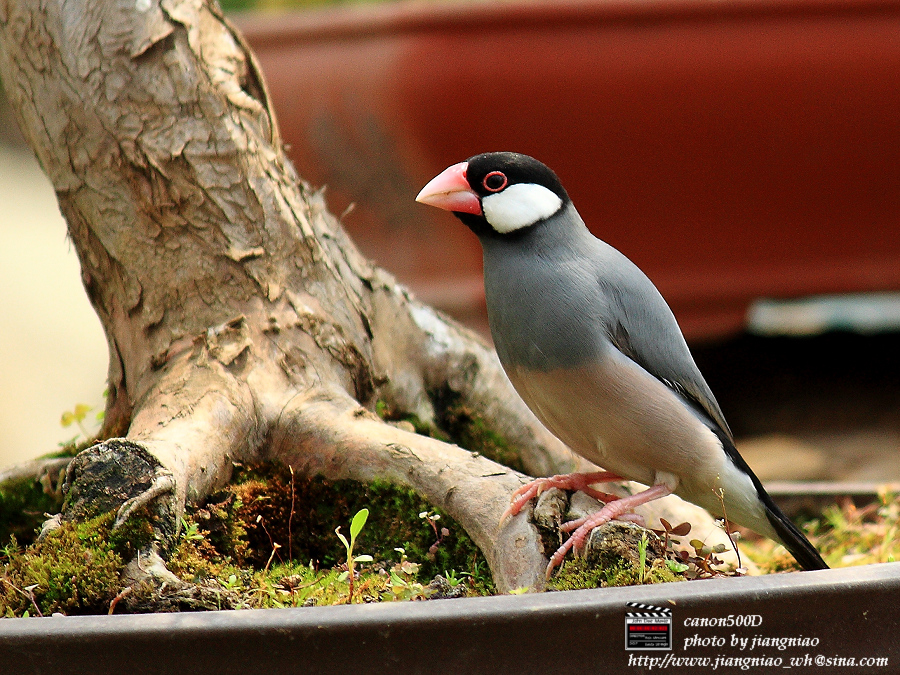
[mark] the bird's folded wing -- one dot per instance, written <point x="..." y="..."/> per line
<point x="644" y="329"/>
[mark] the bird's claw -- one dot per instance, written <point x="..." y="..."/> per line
<point x="570" y="481"/>
<point x="617" y="510"/>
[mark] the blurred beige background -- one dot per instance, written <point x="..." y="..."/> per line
<point x="53" y="349"/>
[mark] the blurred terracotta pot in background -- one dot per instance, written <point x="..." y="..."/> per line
<point x="733" y="150"/>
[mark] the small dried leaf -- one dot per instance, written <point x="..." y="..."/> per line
<point x="343" y="539"/>
<point x="681" y="530"/>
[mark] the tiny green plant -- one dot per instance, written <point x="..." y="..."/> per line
<point x="190" y="531"/>
<point x="77" y="416"/>
<point x="452" y="578"/>
<point x="642" y="557"/>
<point x="479" y="576"/>
<point x="403" y="584"/>
<point x="356" y="526"/>
<point x="676" y="566"/>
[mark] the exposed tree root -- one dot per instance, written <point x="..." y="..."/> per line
<point x="349" y="442"/>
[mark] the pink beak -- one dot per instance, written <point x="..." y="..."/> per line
<point x="450" y="190"/>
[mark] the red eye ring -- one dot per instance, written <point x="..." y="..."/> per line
<point x="495" y="187"/>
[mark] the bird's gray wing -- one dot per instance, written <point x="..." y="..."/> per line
<point x="642" y="327"/>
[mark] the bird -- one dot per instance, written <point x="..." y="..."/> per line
<point x="593" y="349"/>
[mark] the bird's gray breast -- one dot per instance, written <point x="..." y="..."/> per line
<point x="546" y="312"/>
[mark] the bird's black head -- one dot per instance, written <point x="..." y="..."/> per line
<point x="497" y="193"/>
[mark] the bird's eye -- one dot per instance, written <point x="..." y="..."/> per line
<point x="494" y="181"/>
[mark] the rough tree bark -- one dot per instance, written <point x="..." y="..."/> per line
<point x="242" y="323"/>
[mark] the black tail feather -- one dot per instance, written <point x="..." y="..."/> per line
<point x="791" y="536"/>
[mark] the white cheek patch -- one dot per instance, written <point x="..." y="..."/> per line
<point x="519" y="205"/>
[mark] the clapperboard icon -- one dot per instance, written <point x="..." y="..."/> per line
<point x="647" y="627"/>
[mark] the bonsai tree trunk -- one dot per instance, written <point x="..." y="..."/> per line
<point x="242" y="323"/>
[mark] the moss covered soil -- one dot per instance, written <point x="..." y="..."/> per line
<point x="268" y="540"/>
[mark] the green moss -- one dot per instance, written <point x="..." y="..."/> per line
<point x="195" y="560"/>
<point x="23" y="504"/>
<point x="293" y="584"/>
<point x="268" y="539"/>
<point x="467" y="429"/>
<point x="845" y="535"/>
<point x="460" y="424"/>
<point x="300" y="516"/>
<point x="471" y="432"/>
<point x="222" y="525"/>
<point x="389" y="414"/>
<point x="578" y="574"/>
<point x="269" y="525"/>
<point x="133" y="535"/>
<point x="74" y="570"/>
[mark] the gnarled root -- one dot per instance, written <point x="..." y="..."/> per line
<point x="340" y="440"/>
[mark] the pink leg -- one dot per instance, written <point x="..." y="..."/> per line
<point x="571" y="481"/>
<point x="612" y="510"/>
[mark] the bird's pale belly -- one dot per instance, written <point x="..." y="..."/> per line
<point x="621" y="418"/>
<point x="624" y="420"/>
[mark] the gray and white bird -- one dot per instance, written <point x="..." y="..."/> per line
<point x="593" y="349"/>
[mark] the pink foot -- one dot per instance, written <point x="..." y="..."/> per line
<point x="571" y="481"/>
<point x="613" y="510"/>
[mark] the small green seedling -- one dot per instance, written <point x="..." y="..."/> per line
<point x="190" y="531"/>
<point x="676" y="566"/>
<point x="403" y="584"/>
<point x="642" y="556"/>
<point x="78" y="416"/>
<point x="356" y="526"/>
<point x="452" y="578"/>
